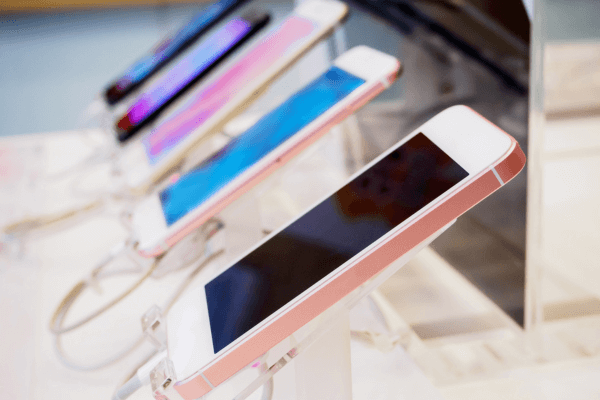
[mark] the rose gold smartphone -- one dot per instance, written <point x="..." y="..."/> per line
<point x="161" y="150"/>
<point x="403" y="197"/>
<point x="355" y="77"/>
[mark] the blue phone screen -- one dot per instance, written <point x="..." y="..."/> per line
<point x="276" y="127"/>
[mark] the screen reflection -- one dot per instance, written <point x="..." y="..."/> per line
<point x="327" y="236"/>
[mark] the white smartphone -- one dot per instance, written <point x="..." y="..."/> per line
<point x="355" y="78"/>
<point x="403" y="197"/>
<point x="162" y="149"/>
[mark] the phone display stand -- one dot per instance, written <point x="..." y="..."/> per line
<point x="563" y="217"/>
<point x="319" y="353"/>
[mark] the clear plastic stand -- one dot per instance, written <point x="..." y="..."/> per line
<point x="563" y="218"/>
<point x="98" y="117"/>
<point x="319" y="353"/>
<point x="329" y="378"/>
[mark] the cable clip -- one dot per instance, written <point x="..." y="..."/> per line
<point x="154" y="327"/>
<point x="162" y="380"/>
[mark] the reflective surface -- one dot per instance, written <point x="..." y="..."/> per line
<point x="241" y="153"/>
<point x="327" y="236"/>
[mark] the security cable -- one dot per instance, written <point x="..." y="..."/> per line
<point x="98" y="273"/>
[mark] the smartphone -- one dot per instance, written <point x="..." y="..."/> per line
<point x="185" y="73"/>
<point x="161" y="150"/>
<point x="404" y="196"/>
<point x="354" y="78"/>
<point x="168" y="49"/>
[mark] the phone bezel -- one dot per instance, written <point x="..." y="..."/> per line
<point x="366" y="63"/>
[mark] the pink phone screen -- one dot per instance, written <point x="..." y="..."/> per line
<point x="284" y="39"/>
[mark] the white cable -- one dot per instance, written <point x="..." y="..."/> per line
<point x="128" y="388"/>
<point x="28" y="225"/>
<point x="140" y="378"/>
<point x="61" y="312"/>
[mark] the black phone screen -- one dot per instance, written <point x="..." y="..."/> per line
<point x="327" y="236"/>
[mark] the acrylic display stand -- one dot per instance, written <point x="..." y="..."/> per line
<point x="563" y="216"/>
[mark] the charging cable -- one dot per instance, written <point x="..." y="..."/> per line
<point x="101" y="200"/>
<point x="126" y="248"/>
<point x="26" y="225"/>
<point x="29" y="225"/>
<point x="56" y="323"/>
<point x="140" y="377"/>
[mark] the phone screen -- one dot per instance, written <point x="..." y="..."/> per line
<point x="283" y="40"/>
<point x="241" y="153"/>
<point x="327" y="236"/>
<point x="168" y="48"/>
<point x="183" y="73"/>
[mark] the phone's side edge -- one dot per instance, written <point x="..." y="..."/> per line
<point x="508" y="167"/>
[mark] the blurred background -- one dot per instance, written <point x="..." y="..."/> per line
<point x="56" y="55"/>
<point x="538" y="82"/>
